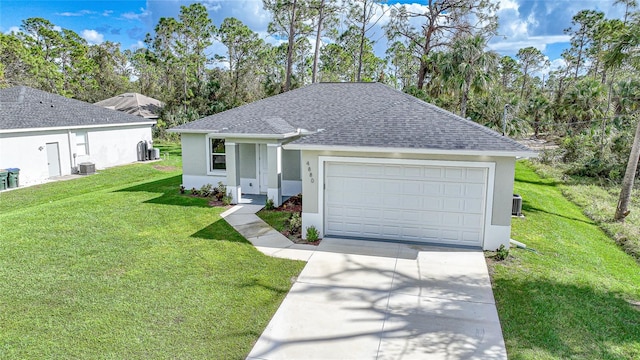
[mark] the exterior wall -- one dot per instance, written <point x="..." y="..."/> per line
<point x="113" y="146"/>
<point x="291" y="175"/>
<point x="499" y="229"/>
<point x="195" y="174"/>
<point x="107" y="147"/>
<point x="27" y="151"/>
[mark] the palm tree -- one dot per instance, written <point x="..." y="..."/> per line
<point x="627" y="49"/>
<point x="470" y="68"/>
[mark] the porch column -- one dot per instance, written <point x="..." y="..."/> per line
<point x="274" y="157"/>
<point x="232" y="152"/>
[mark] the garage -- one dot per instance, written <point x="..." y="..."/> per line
<point x="427" y="202"/>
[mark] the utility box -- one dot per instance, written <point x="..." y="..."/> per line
<point x="3" y="179"/>
<point x="13" y="177"/>
<point x="87" y="168"/>
<point x="516" y="208"/>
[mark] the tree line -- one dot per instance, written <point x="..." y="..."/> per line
<point x="589" y="104"/>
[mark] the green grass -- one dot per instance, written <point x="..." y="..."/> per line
<point x="276" y="219"/>
<point x="573" y="299"/>
<point x="119" y="265"/>
<point x="598" y="199"/>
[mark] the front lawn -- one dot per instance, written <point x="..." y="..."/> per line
<point x="119" y="265"/>
<point x="578" y="297"/>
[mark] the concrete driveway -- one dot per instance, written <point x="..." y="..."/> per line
<point x="374" y="300"/>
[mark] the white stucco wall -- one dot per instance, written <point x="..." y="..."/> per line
<point x="107" y="147"/>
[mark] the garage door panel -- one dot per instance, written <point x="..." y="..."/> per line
<point x="454" y="173"/>
<point x="406" y="202"/>
<point x="476" y="175"/>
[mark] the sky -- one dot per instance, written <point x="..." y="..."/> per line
<point x="522" y="23"/>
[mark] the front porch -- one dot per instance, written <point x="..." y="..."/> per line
<point x="261" y="169"/>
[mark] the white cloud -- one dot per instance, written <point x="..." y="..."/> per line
<point x="136" y="16"/>
<point x="93" y="37"/>
<point x="138" y="45"/>
<point x="107" y="12"/>
<point x="13" y="29"/>
<point x="538" y="42"/>
<point x="57" y="28"/>
<point x="77" y="13"/>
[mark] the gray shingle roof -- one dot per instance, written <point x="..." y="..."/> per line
<point x="22" y="107"/>
<point x="134" y="104"/>
<point x="360" y="115"/>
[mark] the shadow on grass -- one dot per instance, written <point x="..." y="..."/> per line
<point x="169" y="190"/>
<point x="543" y="182"/>
<point x="527" y="207"/>
<point x="220" y="230"/>
<point x="567" y="320"/>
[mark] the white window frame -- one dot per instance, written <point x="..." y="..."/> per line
<point x="210" y="154"/>
<point x="85" y="144"/>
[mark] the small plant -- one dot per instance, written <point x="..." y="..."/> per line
<point x="312" y="234"/>
<point x="194" y="192"/>
<point x="502" y="253"/>
<point x="220" y="191"/>
<point x="295" y="223"/>
<point x="206" y="190"/>
<point x="268" y="205"/>
<point x="226" y="199"/>
<point x="182" y="189"/>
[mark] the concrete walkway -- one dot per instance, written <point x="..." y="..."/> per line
<point x="360" y="299"/>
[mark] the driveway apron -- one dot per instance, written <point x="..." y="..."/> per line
<point x="359" y="299"/>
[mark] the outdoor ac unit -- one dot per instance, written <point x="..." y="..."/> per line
<point x="86" y="168"/>
<point x="516" y="209"/>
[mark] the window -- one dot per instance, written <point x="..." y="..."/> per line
<point x="82" y="145"/>
<point x="218" y="157"/>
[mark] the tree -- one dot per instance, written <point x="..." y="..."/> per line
<point x="530" y="60"/>
<point x="326" y="17"/>
<point x="442" y="20"/>
<point x="243" y="46"/>
<point x="509" y="71"/>
<point x="363" y="15"/>
<point x="290" y="19"/>
<point x="583" y="32"/>
<point x="16" y="62"/>
<point x="626" y="49"/>
<point x="470" y="68"/>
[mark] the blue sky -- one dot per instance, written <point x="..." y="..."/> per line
<point x="538" y="23"/>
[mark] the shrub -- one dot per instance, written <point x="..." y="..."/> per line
<point x="206" y="190"/>
<point x="295" y="223"/>
<point x="502" y="253"/>
<point x="220" y="191"/>
<point x="312" y="234"/>
<point x="226" y="199"/>
<point x="268" y="205"/>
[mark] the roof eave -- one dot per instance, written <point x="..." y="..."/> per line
<point x="375" y="149"/>
<point x="71" y="127"/>
<point x="235" y="135"/>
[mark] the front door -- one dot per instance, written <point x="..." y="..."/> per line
<point x="53" y="159"/>
<point x="263" y="174"/>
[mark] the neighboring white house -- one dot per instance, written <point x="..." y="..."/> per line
<point x="47" y="135"/>
<point x="371" y="163"/>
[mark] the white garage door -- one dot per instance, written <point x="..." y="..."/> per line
<point x="442" y="204"/>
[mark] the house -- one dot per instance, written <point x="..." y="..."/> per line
<point x="134" y="104"/>
<point x="370" y="162"/>
<point x="47" y="135"/>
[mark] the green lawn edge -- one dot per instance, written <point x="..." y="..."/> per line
<point x="573" y="297"/>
